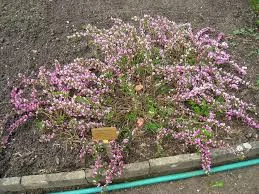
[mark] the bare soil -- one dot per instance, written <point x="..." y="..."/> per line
<point x="34" y="33"/>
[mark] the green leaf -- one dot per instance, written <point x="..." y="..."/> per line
<point x="132" y="117"/>
<point x="110" y="115"/>
<point x="152" y="111"/>
<point x="218" y="184"/>
<point x="138" y="58"/>
<point x="206" y="133"/>
<point x="82" y="99"/>
<point x="238" y="31"/>
<point x="124" y="60"/>
<point x="164" y="89"/>
<point x="59" y="93"/>
<point x="165" y="112"/>
<point x="152" y="127"/>
<point x="60" y="118"/>
<point x="156" y="61"/>
<point x="220" y="100"/>
<point x="200" y="109"/>
<point x="39" y="124"/>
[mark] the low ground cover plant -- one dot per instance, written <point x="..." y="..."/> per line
<point x="149" y="77"/>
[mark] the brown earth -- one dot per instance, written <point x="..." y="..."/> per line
<point x="34" y="33"/>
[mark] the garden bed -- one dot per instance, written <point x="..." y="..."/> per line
<point x="31" y="38"/>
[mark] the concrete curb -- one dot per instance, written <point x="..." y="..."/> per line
<point x="152" y="167"/>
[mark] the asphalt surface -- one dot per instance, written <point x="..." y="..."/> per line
<point x="241" y="181"/>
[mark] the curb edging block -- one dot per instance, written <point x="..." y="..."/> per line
<point x="179" y="163"/>
<point x="11" y="184"/>
<point x="134" y="171"/>
<point x="252" y="149"/>
<point x="235" y="153"/>
<point x="131" y="171"/>
<point x="221" y="156"/>
<point x="34" y="181"/>
<point x="64" y="179"/>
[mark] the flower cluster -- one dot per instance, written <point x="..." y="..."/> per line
<point x="153" y="76"/>
<point x="112" y="169"/>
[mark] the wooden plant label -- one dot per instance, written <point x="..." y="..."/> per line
<point x="105" y="133"/>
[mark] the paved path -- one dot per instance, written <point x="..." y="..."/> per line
<point x="242" y="181"/>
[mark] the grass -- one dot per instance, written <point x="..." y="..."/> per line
<point x="255" y="5"/>
<point x="246" y="32"/>
<point x="257" y="81"/>
<point x="218" y="184"/>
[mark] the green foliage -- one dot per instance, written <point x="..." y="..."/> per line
<point x="246" y="32"/>
<point x="191" y="58"/>
<point x="132" y="117"/>
<point x="125" y="132"/>
<point x="155" y="56"/>
<point x="152" y="111"/>
<point x="138" y="58"/>
<point x="60" y="118"/>
<point x="164" y="89"/>
<point x="254" y="52"/>
<point x="109" y="116"/>
<point x="109" y="75"/>
<point x="59" y="93"/>
<point x="220" y="100"/>
<point x="151" y="106"/>
<point x="126" y="87"/>
<point x="255" y="5"/>
<point x="166" y="111"/>
<point x="108" y="100"/>
<point x="124" y="61"/>
<point x="152" y="127"/>
<point x="207" y="133"/>
<point x="39" y="124"/>
<point x="83" y="100"/>
<point x="202" y="109"/>
<point x="257" y="81"/>
<point x="217" y="184"/>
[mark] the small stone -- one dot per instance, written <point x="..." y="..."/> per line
<point x="57" y="160"/>
<point x="140" y="122"/>
<point x="2" y="40"/>
<point x="143" y="145"/>
<point x="10" y="184"/>
<point x="247" y="146"/>
<point x="139" y="87"/>
<point x="34" y="51"/>
<point x="239" y="148"/>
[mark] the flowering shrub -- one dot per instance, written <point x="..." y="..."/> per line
<point x="154" y="76"/>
